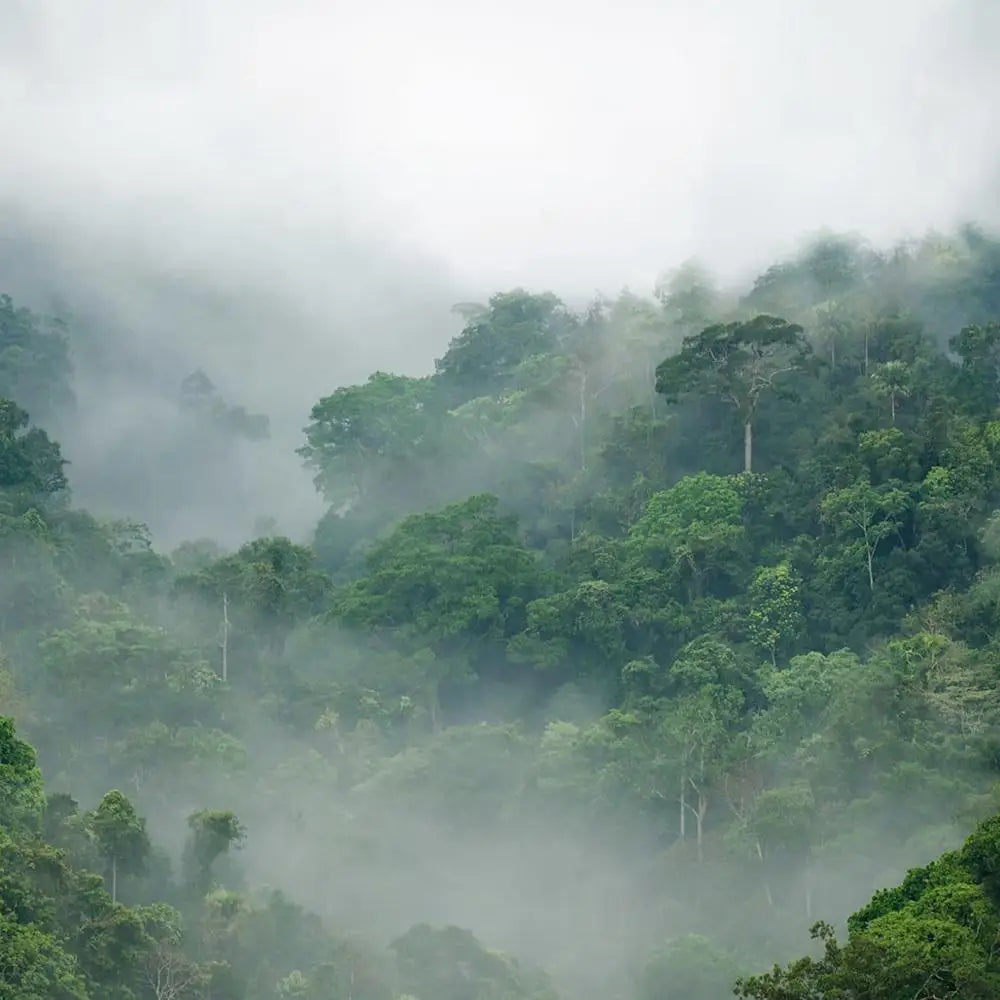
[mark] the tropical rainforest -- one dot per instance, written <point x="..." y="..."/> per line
<point x="647" y="649"/>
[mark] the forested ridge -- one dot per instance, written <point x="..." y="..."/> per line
<point x="638" y="639"/>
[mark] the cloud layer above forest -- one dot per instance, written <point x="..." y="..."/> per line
<point x="556" y="143"/>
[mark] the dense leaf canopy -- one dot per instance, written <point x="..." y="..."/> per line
<point x="637" y="638"/>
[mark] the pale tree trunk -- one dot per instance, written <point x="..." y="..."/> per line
<point x="767" y="885"/>
<point x="683" y="806"/>
<point x="170" y="976"/>
<point x="225" y="638"/>
<point x="747" y="446"/>
<point x="700" y="819"/>
<point x="114" y="879"/>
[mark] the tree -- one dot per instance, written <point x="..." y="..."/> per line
<point x="30" y="463"/>
<point x="21" y="797"/>
<point x="779" y="825"/>
<point x="978" y="347"/>
<point x="445" y="581"/>
<point x="35" y="367"/>
<point x="201" y="398"/>
<point x="267" y="586"/>
<point x="775" y="617"/>
<point x="690" y="967"/>
<point x="516" y="326"/>
<point x="893" y="380"/>
<point x="688" y="295"/>
<point x="370" y="437"/>
<point x="118" y="675"/>
<point x="697" y="727"/>
<point x="121" y="837"/>
<point x="450" y="964"/>
<point x="212" y="833"/>
<point x="737" y="362"/>
<point x="35" y="966"/>
<point x="695" y="529"/>
<point x="167" y="972"/>
<point x="934" y="936"/>
<point x="868" y="514"/>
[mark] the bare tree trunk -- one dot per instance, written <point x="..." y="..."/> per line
<point x="870" y="553"/>
<point x="747" y="446"/>
<point x="683" y="803"/>
<point x="225" y="638"/>
<point x="767" y="884"/>
<point x="700" y="818"/>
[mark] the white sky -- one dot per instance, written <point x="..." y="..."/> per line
<point x="549" y="143"/>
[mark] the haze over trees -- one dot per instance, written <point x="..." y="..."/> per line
<point x="636" y="640"/>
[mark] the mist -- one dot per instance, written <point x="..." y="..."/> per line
<point x="285" y="198"/>
<point x="569" y="145"/>
<point x="290" y="200"/>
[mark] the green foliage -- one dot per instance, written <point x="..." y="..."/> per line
<point x="450" y="964"/>
<point x="21" y="796"/>
<point x="34" y="360"/>
<point x="775" y="618"/>
<point x="367" y="438"/>
<point x="690" y="966"/>
<point x="213" y="832"/>
<point x="200" y="397"/>
<point x="865" y="516"/>
<point x="31" y="466"/>
<point x="935" y="935"/>
<point x="738" y="363"/>
<point x="514" y="327"/>
<point x="33" y="966"/>
<point x="540" y="609"/>
<point x="121" y="836"/>
<point x="694" y="530"/>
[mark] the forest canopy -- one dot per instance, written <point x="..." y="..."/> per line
<point x="637" y="639"/>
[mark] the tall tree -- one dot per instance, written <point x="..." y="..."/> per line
<point x="213" y="832"/>
<point x="866" y="515"/>
<point x="894" y="381"/>
<point x="737" y="362"/>
<point x="516" y="326"/>
<point x="21" y="795"/>
<point x="35" y="368"/>
<point x="121" y="837"/>
<point x="366" y="438"/>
